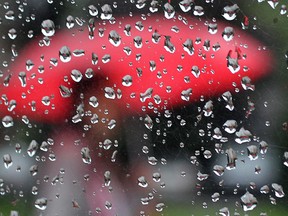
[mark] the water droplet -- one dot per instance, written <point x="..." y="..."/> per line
<point x="48" y="28"/>
<point x="12" y="105"/>
<point x="109" y="93"/>
<point x="93" y="101"/>
<point x="278" y="189"/>
<point x="93" y="11"/>
<point x="70" y="22"/>
<point x="46" y="100"/>
<point x="147" y="94"/>
<point x="139" y="26"/>
<point x="159" y="207"/>
<point x="111" y="124"/>
<point x="207" y="154"/>
<point x="188" y="46"/>
<point x="107" y="144"/>
<point x="106" y="58"/>
<point x="215" y="197"/>
<point x="224" y="211"/>
<point x="7" y="159"/>
<point x="142" y="182"/>
<point x="12" y="33"/>
<point x="156" y="176"/>
<point x="169" y="11"/>
<point x="185" y="94"/>
<point x="65" y="54"/>
<point x="228" y="33"/>
<point x="246" y="83"/>
<point x="107" y="178"/>
<point x="33" y="170"/>
<point x="9" y="15"/>
<point x="231" y="159"/>
<point x="85" y="152"/>
<point x="41" y="203"/>
<point x="65" y="91"/>
<point x="127" y="80"/>
<point x="114" y="38"/>
<point x="94" y="58"/>
<point x="94" y="119"/>
<point x="243" y="136"/>
<point x="230" y="126"/>
<point x="168" y="45"/>
<point x="152" y="161"/>
<point x="106" y="13"/>
<point x="32" y="148"/>
<point x="202" y="176"/>
<point x="186" y="5"/>
<point x="198" y="10"/>
<point x="7" y="121"/>
<point x="76" y="75"/>
<point x="283" y="9"/>
<point x="138" y="42"/>
<point x="78" y="52"/>
<point x="212" y="29"/>
<point x="195" y="71"/>
<point x="148" y="122"/>
<point x="252" y="152"/>
<point x="264" y="189"/>
<point x="156" y="37"/>
<point x="248" y="201"/>
<point x="273" y="3"/>
<point x="229" y="12"/>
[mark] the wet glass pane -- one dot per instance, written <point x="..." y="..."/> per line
<point x="143" y="107"/>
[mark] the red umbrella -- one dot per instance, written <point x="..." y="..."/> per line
<point x="155" y="63"/>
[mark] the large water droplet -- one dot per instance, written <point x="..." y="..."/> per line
<point x="70" y="22"/>
<point x="33" y="170"/>
<point x="93" y="11"/>
<point x="248" y="201"/>
<point x="188" y="46"/>
<point x="230" y="126"/>
<point x="224" y="211"/>
<point x="145" y="95"/>
<point x="65" y="54"/>
<point x="198" y="10"/>
<point x="109" y="93"/>
<point x="85" y="152"/>
<point x="65" y="91"/>
<point x="148" y="122"/>
<point x="168" y="45"/>
<point x="138" y="42"/>
<point x="32" y="148"/>
<point x="48" y="28"/>
<point x="106" y="13"/>
<point x="243" y="136"/>
<point x="229" y="12"/>
<point x="76" y="75"/>
<point x="228" y="33"/>
<point x="41" y="203"/>
<point x="278" y="189"/>
<point x="208" y="108"/>
<point x="252" y="152"/>
<point x="7" y="121"/>
<point x="142" y="182"/>
<point x="169" y="11"/>
<point x="246" y="83"/>
<point x="186" y="5"/>
<point x="114" y="38"/>
<point x="107" y="144"/>
<point x="231" y="159"/>
<point x="7" y="159"/>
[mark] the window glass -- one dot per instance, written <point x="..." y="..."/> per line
<point x="143" y="107"/>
